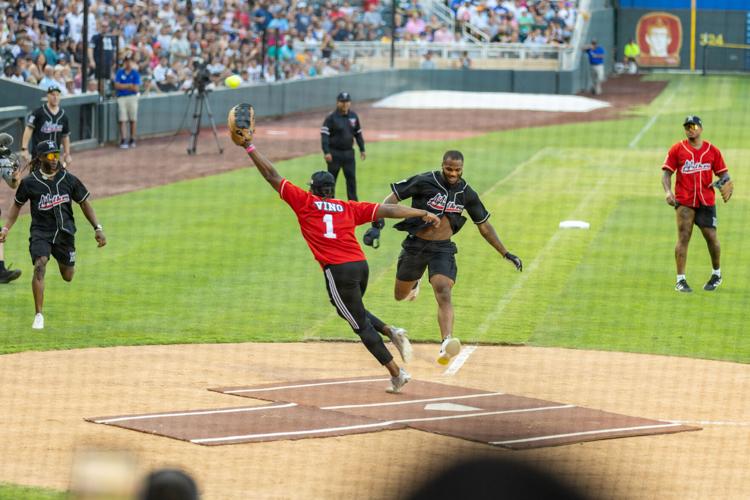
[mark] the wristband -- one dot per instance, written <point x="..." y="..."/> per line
<point x="98" y="227"/>
<point x="250" y="148"/>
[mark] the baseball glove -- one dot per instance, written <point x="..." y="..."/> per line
<point x="241" y="123"/>
<point x="725" y="187"/>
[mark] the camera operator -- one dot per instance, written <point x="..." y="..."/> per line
<point x="10" y="172"/>
<point x="127" y="85"/>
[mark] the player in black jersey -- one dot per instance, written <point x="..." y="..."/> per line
<point x="47" y="123"/>
<point x="337" y="136"/>
<point x="445" y="193"/>
<point x="51" y="191"/>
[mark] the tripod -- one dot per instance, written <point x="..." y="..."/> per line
<point x="200" y="101"/>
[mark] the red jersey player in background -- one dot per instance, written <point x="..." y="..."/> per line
<point x="696" y="162"/>
<point x="328" y="224"/>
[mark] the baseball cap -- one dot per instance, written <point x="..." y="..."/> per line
<point x="344" y="96"/>
<point x="53" y="88"/>
<point x="694" y="120"/>
<point x="45" y="147"/>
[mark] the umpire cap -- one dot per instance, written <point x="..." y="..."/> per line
<point x="692" y="119"/>
<point x="45" y="147"/>
<point x="323" y="184"/>
<point x="344" y="97"/>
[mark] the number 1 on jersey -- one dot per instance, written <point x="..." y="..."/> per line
<point x="328" y="219"/>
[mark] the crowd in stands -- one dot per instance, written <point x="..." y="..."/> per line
<point x="263" y="40"/>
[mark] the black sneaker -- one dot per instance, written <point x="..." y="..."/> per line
<point x="8" y="275"/>
<point x="682" y="286"/>
<point x="713" y="283"/>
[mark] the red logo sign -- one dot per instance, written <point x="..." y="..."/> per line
<point x="659" y="36"/>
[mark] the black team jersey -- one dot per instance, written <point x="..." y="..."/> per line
<point x="47" y="126"/>
<point x="51" y="200"/>
<point x="429" y="191"/>
<point x="339" y="132"/>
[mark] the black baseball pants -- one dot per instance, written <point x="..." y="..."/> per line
<point x="346" y="285"/>
<point x="345" y="159"/>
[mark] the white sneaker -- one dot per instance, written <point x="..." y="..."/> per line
<point x="398" y="382"/>
<point x="450" y="347"/>
<point x="38" y="322"/>
<point x="401" y="341"/>
<point x="414" y="292"/>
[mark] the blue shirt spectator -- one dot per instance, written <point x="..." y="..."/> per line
<point x="595" y="53"/>
<point x="127" y="75"/>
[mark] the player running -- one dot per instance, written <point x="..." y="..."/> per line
<point x="696" y="162"/>
<point x="328" y="224"/>
<point x="446" y="194"/>
<point x="50" y="190"/>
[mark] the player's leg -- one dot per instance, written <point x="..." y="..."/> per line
<point x="133" y="116"/>
<point x="343" y="285"/>
<point x="7" y="275"/>
<point x="64" y="252"/>
<point x="122" y="112"/>
<point x="396" y="334"/>
<point x="705" y="219"/>
<point x="350" y="166"/>
<point x="443" y="272"/>
<point x="40" y="249"/>
<point x="412" y="262"/>
<point x="685" y="217"/>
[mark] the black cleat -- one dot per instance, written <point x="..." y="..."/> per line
<point x="8" y="275"/>
<point x="682" y="286"/>
<point x="713" y="283"/>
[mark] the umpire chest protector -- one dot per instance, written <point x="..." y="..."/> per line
<point x="429" y="191"/>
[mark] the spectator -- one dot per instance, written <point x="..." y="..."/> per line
<point x="127" y="85"/>
<point x="287" y="53"/>
<point x="464" y="62"/>
<point x="632" y="51"/>
<point x="48" y="80"/>
<point x="428" y="63"/>
<point x="596" y="63"/>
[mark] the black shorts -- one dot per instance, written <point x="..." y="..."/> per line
<point x="705" y="216"/>
<point x="61" y="245"/>
<point x="439" y="257"/>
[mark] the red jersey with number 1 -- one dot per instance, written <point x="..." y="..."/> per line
<point x="695" y="170"/>
<point x="327" y="224"/>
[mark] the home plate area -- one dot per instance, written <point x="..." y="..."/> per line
<point x="337" y="407"/>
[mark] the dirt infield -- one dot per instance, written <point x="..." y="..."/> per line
<point x="46" y="396"/>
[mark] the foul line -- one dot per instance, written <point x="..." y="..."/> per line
<point x="459" y="361"/>
<point x="584" y="433"/>
<point x="529" y="271"/>
<point x="192" y="413"/>
<point x="653" y="119"/>
<point x="317" y="384"/>
<point x="711" y="422"/>
<point x="445" y="398"/>
<point x="387" y="423"/>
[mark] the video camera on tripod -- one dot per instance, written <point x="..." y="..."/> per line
<point x="9" y="161"/>
<point x="201" y="81"/>
<point x="201" y="76"/>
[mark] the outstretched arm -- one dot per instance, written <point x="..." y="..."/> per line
<point x="402" y="212"/>
<point x="488" y="233"/>
<point x="265" y="167"/>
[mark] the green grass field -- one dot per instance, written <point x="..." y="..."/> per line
<point x="220" y="259"/>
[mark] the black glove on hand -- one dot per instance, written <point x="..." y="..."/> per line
<point x="379" y="223"/>
<point x="372" y="237"/>
<point x="515" y="260"/>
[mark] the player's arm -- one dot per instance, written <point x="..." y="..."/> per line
<point x="360" y="140"/>
<point x="27" y="131"/>
<point x="490" y="235"/>
<point x="12" y="217"/>
<point x="666" y="182"/>
<point x="90" y="214"/>
<point x="66" y="147"/>
<point x="403" y="212"/>
<point x="325" y="138"/>
<point x="265" y="167"/>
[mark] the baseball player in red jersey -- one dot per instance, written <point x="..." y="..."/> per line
<point x="328" y="224"/>
<point x="696" y="162"/>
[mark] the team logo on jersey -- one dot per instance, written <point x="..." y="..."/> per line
<point x="327" y="206"/>
<point x="691" y="166"/>
<point x="353" y="122"/>
<point x="72" y="257"/>
<point x="50" y="127"/>
<point x="440" y="202"/>
<point x="50" y="201"/>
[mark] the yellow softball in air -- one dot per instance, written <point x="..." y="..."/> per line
<point x="233" y="81"/>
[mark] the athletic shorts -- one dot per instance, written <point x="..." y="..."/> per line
<point x="705" y="216"/>
<point x="438" y="257"/>
<point x="61" y="246"/>
<point x="127" y="107"/>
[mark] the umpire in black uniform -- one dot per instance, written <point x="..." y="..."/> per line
<point x="337" y="135"/>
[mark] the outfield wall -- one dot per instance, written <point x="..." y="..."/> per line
<point x="664" y="34"/>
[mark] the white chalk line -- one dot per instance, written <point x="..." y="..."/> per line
<point x="584" y="433"/>
<point x="194" y="413"/>
<point x="314" y="384"/>
<point x="386" y="423"/>
<point x="412" y="401"/>
<point x="653" y="119"/>
<point x="459" y="360"/>
<point x="531" y="268"/>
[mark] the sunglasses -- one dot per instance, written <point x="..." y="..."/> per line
<point x="53" y="156"/>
